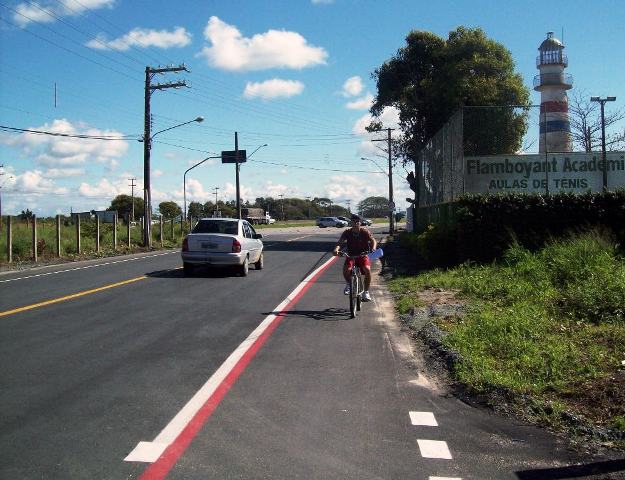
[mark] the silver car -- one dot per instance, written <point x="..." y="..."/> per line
<point x="222" y="242"/>
<point x="323" y="222"/>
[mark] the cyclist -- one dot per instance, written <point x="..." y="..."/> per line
<point x="358" y="240"/>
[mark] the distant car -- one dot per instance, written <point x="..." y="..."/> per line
<point x="345" y="219"/>
<point x="222" y="242"/>
<point x="324" y="222"/>
<point x="366" y="222"/>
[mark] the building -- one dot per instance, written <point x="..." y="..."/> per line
<point x="552" y="83"/>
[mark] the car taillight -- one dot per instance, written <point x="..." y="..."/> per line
<point x="185" y="244"/>
<point x="236" y="246"/>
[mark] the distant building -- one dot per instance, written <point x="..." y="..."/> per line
<point x="552" y="83"/>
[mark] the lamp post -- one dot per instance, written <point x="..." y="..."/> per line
<point x="147" y="189"/>
<point x="238" y="166"/>
<point x="184" y="184"/>
<point x="602" y="102"/>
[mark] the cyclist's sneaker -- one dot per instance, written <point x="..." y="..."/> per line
<point x="365" y="296"/>
<point x="346" y="289"/>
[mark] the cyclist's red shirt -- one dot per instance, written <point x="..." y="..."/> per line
<point x="358" y="242"/>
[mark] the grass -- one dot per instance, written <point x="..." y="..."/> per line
<point x="539" y="323"/>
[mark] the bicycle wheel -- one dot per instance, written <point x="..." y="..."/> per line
<point x="359" y="296"/>
<point x="353" y="295"/>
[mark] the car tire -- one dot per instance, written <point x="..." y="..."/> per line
<point x="260" y="263"/>
<point x="244" y="268"/>
<point x="187" y="269"/>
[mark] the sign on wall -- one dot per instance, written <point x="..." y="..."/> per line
<point x="575" y="172"/>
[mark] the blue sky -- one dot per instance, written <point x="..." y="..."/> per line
<point x="293" y="74"/>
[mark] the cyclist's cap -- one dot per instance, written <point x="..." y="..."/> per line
<point x="355" y="217"/>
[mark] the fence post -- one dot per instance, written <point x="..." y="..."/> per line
<point x="97" y="233"/>
<point x="34" y="238"/>
<point x="58" y="235"/>
<point x="160" y="232"/>
<point x="115" y="232"/>
<point x="78" y="249"/>
<point x="128" y="228"/>
<point x="9" y="240"/>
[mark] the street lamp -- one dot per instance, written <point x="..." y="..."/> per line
<point x="238" y="166"/>
<point x="184" y="183"/>
<point x="602" y="101"/>
<point x="147" y="191"/>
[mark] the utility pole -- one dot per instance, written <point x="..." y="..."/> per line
<point x="391" y="203"/>
<point x="147" y="141"/>
<point x="349" y="205"/>
<point x="282" y="204"/>
<point x="132" y="195"/>
<point x="236" y="159"/>
<point x="309" y="203"/>
<point x="602" y="102"/>
<point x="216" y="189"/>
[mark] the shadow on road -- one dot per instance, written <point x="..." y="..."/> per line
<point x="575" y="471"/>
<point x="201" y="272"/>
<point x="327" y="315"/>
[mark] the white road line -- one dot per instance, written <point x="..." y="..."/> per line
<point x="423" y="418"/>
<point x="86" y="267"/>
<point x="149" y="452"/>
<point x="434" y="449"/>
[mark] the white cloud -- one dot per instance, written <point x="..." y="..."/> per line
<point x="274" y="88"/>
<point x="103" y="189"/>
<point x="64" y="172"/>
<point x="230" y="50"/>
<point x="143" y="38"/>
<point x="363" y="103"/>
<point x="275" y="190"/>
<point x="35" y="182"/>
<point x="230" y="193"/>
<point x="37" y="12"/>
<point x="343" y="187"/>
<point x="57" y="151"/>
<point x="353" y="86"/>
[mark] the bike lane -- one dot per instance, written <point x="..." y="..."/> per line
<point x="327" y="396"/>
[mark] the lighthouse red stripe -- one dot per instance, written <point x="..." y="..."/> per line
<point x="554" y="107"/>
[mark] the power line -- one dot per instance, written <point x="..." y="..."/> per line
<point x="56" y="134"/>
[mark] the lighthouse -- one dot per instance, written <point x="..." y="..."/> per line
<point x="552" y="83"/>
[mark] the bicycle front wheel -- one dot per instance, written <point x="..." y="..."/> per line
<point x="353" y="296"/>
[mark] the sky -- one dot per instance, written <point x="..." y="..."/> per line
<point x="292" y="74"/>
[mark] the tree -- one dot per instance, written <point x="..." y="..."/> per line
<point x="431" y="78"/>
<point x="373" y="207"/>
<point x="585" y="118"/>
<point x="169" y="209"/>
<point x="195" y="210"/>
<point x="26" y="215"/>
<point x="123" y="205"/>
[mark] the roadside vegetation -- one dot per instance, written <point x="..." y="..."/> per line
<point x="545" y="325"/>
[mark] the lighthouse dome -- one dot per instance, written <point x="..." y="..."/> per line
<point x="550" y="43"/>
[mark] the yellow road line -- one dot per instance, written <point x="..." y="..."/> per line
<point x="69" y="297"/>
<point x="298" y="238"/>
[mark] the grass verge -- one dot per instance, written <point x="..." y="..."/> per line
<point x="547" y="325"/>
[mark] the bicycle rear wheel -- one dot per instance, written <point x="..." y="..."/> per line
<point x="359" y="295"/>
<point x="353" y="295"/>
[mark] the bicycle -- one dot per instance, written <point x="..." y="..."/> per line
<point x="356" y="284"/>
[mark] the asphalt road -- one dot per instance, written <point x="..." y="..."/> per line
<point x="106" y="362"/>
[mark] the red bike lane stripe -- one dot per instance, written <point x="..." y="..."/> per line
<point x="161" y="467"/>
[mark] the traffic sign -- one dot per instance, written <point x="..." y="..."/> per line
<point x="230" y="156"/>
<point x="391" y="206"/>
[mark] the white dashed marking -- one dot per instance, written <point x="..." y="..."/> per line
<point x="434" y="449"/>
<point x="423" y="418"/>
<point x="445" y="478"/>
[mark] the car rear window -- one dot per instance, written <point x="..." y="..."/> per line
<point x="216" y="226"/>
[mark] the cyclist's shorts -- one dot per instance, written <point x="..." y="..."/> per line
<point x="360" y="261"/>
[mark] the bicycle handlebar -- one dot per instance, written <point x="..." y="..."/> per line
<point x="344" y="254"/>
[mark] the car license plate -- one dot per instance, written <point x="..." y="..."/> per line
<point x="209" y="245"/>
